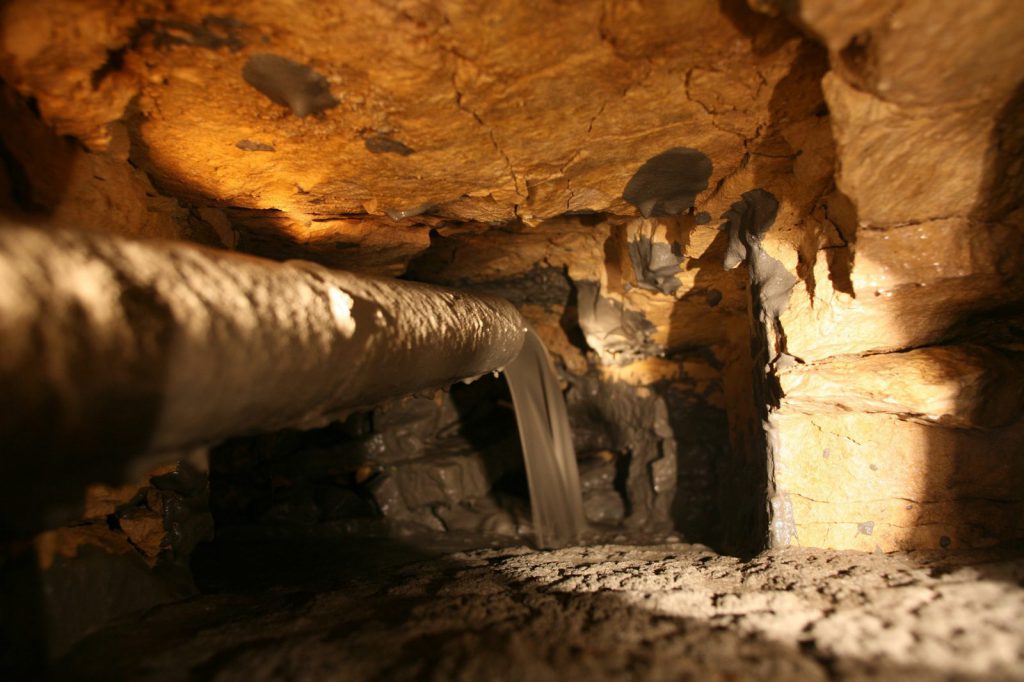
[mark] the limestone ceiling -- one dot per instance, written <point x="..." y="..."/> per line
<point x="481" y="111"/>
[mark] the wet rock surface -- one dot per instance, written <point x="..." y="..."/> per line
<point x="666" y="611"/>
<point x="452" y="462"/>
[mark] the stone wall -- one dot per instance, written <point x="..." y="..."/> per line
<point x="898" y="423"/>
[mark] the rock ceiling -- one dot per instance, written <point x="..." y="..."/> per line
<point x="489" y="112"/>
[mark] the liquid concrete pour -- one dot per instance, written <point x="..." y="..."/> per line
<point x="657" y="612"/>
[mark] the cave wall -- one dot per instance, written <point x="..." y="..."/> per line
<point x="844" y="372"/>
<point x="898" y="422"/>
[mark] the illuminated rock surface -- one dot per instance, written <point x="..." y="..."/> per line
<point x="611" y="612"/>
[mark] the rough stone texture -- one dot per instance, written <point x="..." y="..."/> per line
<point x="893" y="376"/>
<point x="660" y="612"/>
<point x="910" y="286"/>
<point x="511" y="111"/>
<point x="966" y="386"/>
<point x="869" y="481"/>
<point x="129" y="551"/>
<point x="52" y="180"/>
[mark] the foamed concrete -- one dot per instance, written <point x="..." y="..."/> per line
<point x="667" y="611"/>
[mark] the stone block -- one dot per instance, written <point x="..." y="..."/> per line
<point x="867" y="481"/>
<point x="964" y="386"/>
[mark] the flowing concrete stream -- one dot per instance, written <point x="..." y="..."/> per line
<point x="555" y="497"/>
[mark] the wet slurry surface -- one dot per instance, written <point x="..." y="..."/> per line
<point x="556" y="500"/>
<point x="375" y="610"/>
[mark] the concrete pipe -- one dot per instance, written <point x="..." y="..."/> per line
<point x="111" y="349"/>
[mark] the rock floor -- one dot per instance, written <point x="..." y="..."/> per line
<point x="666" y="611"/>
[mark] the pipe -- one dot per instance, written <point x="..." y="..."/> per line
<point x="112" y="348"/>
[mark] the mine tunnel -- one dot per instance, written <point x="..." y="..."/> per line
<point x="463" y="340"/>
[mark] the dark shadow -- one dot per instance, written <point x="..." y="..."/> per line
<point x="293" y="479"/>
<point x="975" y="472"/>
<point x="242" y="578"/>
<point x="745" y="476"/>
<point x="569" y="321"/>
<point x="700" y="427"/>
<point x="1003" y="184"/>
<point x="738" y="475"/>
<point x="35" y="163"/>
<point x="24" y="645"/>
<point x="53" y="449"/>
<point x="487" y="420"/>
<point x="667" y="184"/>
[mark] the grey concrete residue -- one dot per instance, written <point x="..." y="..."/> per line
<point x="611" y="330"/>
<point x="771" y="285"/>
<point x="253" y="146"/>
<point x="541" y="285"/>
<point x="785" y="361"/>
<point x="289" y="83"/>
<point x="556" y="501"/>
<point x="615" y="417"/>
<point x="783" y="520"/>
<point x="655" y="264"/>
<point x="668" y="184"/>
<point x="746" y="222"/>
<point x="382" y="144"/>
<point x="397" y="214"/>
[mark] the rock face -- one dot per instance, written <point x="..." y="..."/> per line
<point x="784" y="241"/>
<point x="130" y="551"/>
<point x="897" y="421"/>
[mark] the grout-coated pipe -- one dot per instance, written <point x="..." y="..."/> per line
<point x="111" y="349"/>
